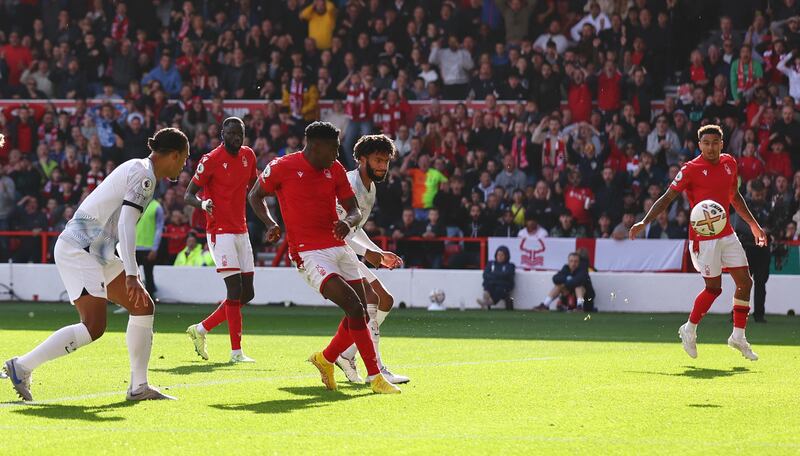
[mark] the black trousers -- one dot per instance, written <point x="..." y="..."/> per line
<point x="149" y="282"/>
<point x="759" y="259"/>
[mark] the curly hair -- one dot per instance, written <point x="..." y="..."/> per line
<point x="369" y="144"/>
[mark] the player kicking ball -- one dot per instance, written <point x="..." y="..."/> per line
<point x="308" y="184"/>
<point x="713" y="176"/>
<point x="92" y="273"/>
<point x="224" y="175"/>
<point x="373" y="154"/>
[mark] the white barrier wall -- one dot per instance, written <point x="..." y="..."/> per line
<point x="632" y="292"/>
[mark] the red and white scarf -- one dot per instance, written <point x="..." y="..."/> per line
<point x="296" y="98"/>
<point x="388" y="117"/>
<point x="357" y="107"/>
<point x="519" y="149"/>
<point x="743" y="84"/>
<point x="554" y="153"/>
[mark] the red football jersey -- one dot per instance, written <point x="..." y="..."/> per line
<point x="225" y="179"/>
<point x="702" y="180"/>
<point x="307" y="198"/>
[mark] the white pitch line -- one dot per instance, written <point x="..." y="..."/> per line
<point x="260" y="379"/>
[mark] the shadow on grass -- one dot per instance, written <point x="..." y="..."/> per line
<point x="705" y="405"/>
<point x="700" y="372"/>
<point x="93" y="413"/>
<point x="309" y="397"/>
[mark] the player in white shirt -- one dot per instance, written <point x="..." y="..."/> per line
<point x="94" y="269"/>
<point x="373" y="154"/>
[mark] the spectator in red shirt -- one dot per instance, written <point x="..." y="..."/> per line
<point x="579" y="97"/>
<point x="609" y="88"/>
<point x="750" y="166"/>
<point x="778" y="161"/>
<point x="176" y="232"/>
<point x="18" y="58"/>
<point x="390" y="112"/>
<point x="578" y="199"/>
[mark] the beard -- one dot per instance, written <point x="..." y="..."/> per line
<point x="373" y="176"/>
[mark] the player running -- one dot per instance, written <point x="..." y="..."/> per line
<point x="372" y="153"/>
<point x="307" y="184"/>
<point x="224" y="175"/>
<point x="713" y="176"/>
<point x="93" y="273"/>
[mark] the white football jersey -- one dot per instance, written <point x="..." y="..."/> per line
<point x="94" y="225"/>
<point x="364" y="196"/>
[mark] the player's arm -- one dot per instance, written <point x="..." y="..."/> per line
<point x="193" y="200"/>
<point x="376" y="256"/>
<point x="660" y="206"/>
<point x="342" y="227"/>
<point x="256" y="200"/>
<point x="739" y="204"/>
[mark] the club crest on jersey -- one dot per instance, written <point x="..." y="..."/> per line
<point x="328" y="173"/>
<point x="727" y="170"/>
<point x="705" y="172"/>
<point x="244" y="162"/>
<point x="299" y="174"/>
<point x="225" y="165"/>
<point x="321" y="270"/>
<point x="224" y="260"/>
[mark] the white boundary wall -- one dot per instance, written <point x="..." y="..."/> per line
<point x="633" y="292"/>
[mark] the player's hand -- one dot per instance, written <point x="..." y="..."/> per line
<point x="373" y="257"/>
<point x="209" y="206"/>
<point x="759" y="235"/>
<point x="152" y="255"/>
<point x="391" y="260"/>
<point x="635" y="230"/>
<point x="273" y="233"/>
<point x="341" y="230"/>
<point x="137" y="295"/>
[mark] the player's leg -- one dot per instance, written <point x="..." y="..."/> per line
<point x="706" y="258"/>
<point x="385" y="304"/>
<point x="733" y="258"/>
<point x="580" y="293"/>
<point x="138" y="336"/>
<point x="83" y="279"/>
<point x="349" y="297"/>
<point x="244" y="256"/>
<point x="223" y="250"/>
<point x="346" y="361"/>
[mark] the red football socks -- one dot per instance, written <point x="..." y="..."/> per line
<point x="702" y="303"/>
<point x="740" y="316"/>
<point x="341" y="340"/>
<point x="233" y="312"/>
<point x="363" y="339"/>
<point x="216" y="318"/>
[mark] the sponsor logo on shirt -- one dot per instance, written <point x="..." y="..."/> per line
<point x="705" y="172"/>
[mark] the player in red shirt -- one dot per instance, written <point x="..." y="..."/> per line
<point x="308" y="184"/>
<point x="225" y="174"/>
<point x="713" y="176"/>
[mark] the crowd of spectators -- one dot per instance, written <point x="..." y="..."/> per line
<point x="558" y="130"/>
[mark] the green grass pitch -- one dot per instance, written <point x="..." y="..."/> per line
<point x="482" y="383"/>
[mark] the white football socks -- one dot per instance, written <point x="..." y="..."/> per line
<point x="62" y="342"/>
<point x="201" y="329"/>
<point x="139" y="338"/>
<point x="382" y="316"/>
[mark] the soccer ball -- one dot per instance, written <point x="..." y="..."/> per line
<point x="708" y="218"/>
<point x="436" y="296"/>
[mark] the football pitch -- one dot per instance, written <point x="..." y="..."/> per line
<point x="482" y="383"/>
